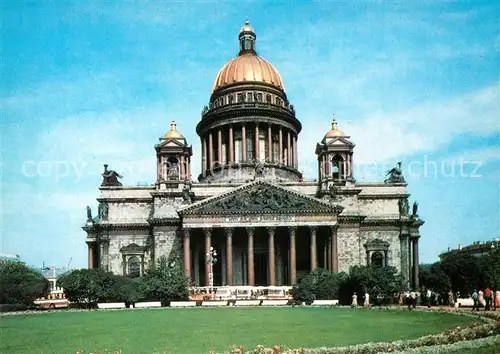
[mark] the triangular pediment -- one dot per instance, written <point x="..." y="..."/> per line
<point x="339" y="141"/>
<point x="171" y="143"/>
<point x="260" y="198"/>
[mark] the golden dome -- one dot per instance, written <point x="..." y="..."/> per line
<point x="334" y="132"/>
<point x="173" y="133"/>
<point x="248" y="67"/>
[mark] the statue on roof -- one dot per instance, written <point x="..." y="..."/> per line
<point x="395" y="175"/>
<point x="89" y="214"/>
<point x="415" y="210"/>
<point x="110" y="178"/>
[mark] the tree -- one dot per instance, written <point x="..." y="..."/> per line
<point x="380" y="282"/>
<point x="166" y="281"/>
<point x="464" y="272"/>
<point x="490" y="269"/>
<point x="20" y="284"/>
<point x="87" y="286"/>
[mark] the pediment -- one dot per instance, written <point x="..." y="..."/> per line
<point x="171" y="143"/>
<point x="339" y="141"/>
<point x="132" y="248"/>
<point x="261" y="198"/>
<point x="376" y="244"/>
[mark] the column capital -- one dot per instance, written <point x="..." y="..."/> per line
<point x="186" y="232"/>
<point x="271" y="230"/>
<point x="313" y="229"/>
<point x="207" y="231"/>
<point x="292" y="230"/>
<point x="229" y="231"/>
<point x="250" y="231"/>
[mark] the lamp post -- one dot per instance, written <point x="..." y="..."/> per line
<point x="211" y="260"/>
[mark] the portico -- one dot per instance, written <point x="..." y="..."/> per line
<point x="258" y="245"/>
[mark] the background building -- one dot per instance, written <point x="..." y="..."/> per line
<point x="477" y="249"/>
<point x="250" y="202"/>
<point x="6" y="257"/>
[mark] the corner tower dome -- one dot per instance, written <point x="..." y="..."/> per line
<point x="248" y="67"/>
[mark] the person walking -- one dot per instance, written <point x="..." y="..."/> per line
<point x="475" y="299"/>
<point x="354" y="302"/>
<point x="367" y="299"/>
<point x="481" y="298"/>
<point x="487" y="299"/>
<point x="451" y="300"/>
<point x="429" y="297"/>
<point x="497" y="299"/>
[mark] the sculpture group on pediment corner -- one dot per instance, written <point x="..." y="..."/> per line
<point x="395" y="175"/>
<point x="259" y="168"/>
<point x="333" y="190"/>
<point x="110" y="178"/>
<point x="404" y="208"/>
<point x="261" y="199"/>
<point x="103" y="210"/>
<point x="186" y="191"/>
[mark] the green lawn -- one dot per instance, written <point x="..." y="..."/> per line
<point x="198" y="330"/>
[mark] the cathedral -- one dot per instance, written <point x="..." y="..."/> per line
<point x="250" y="218"/>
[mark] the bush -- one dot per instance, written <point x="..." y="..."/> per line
<point x="319" y="284"/>
<point x="87" y="287"/>
<point x="13" y="307"/>
<point x="125" y="289"/>
<point x="166" y="282"/>
<point x="20" y="285"/>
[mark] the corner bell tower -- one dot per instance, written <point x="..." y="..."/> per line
<point x="335" y="154"/>
<point x="173" y="157"/>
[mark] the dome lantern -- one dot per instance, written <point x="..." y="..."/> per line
<point x="335" y="131"/>
<point x="173" y="133"/>
<point x="247" y="39"/>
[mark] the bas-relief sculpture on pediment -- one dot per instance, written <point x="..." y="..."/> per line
<point x="261" y="198"/>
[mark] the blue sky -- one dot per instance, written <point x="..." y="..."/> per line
<point x="88" y="83"/>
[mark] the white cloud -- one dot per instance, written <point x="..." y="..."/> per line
<point x="385" y="138"/>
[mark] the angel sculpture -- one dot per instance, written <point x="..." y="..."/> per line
<point x="395" y="175"/>
<point x="110" y="178"/>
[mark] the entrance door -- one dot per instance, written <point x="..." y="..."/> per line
<point x="260" y="262"/>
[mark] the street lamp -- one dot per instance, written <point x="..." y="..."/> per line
<point x="211" y="260"/>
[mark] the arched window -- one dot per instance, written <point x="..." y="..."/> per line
<point x="173" y="168"/>
<point x="134" y="267"/>
<point x="337" y="167"/>
<point x="377" y="259"/>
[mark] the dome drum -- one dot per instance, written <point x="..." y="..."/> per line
<point x="246" y="172"/>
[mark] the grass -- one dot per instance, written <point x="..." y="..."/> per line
<point x="194" y="331"/>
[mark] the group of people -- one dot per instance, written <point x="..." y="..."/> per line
<point x="366" y="303"/>
<point x="489" y="299"/>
